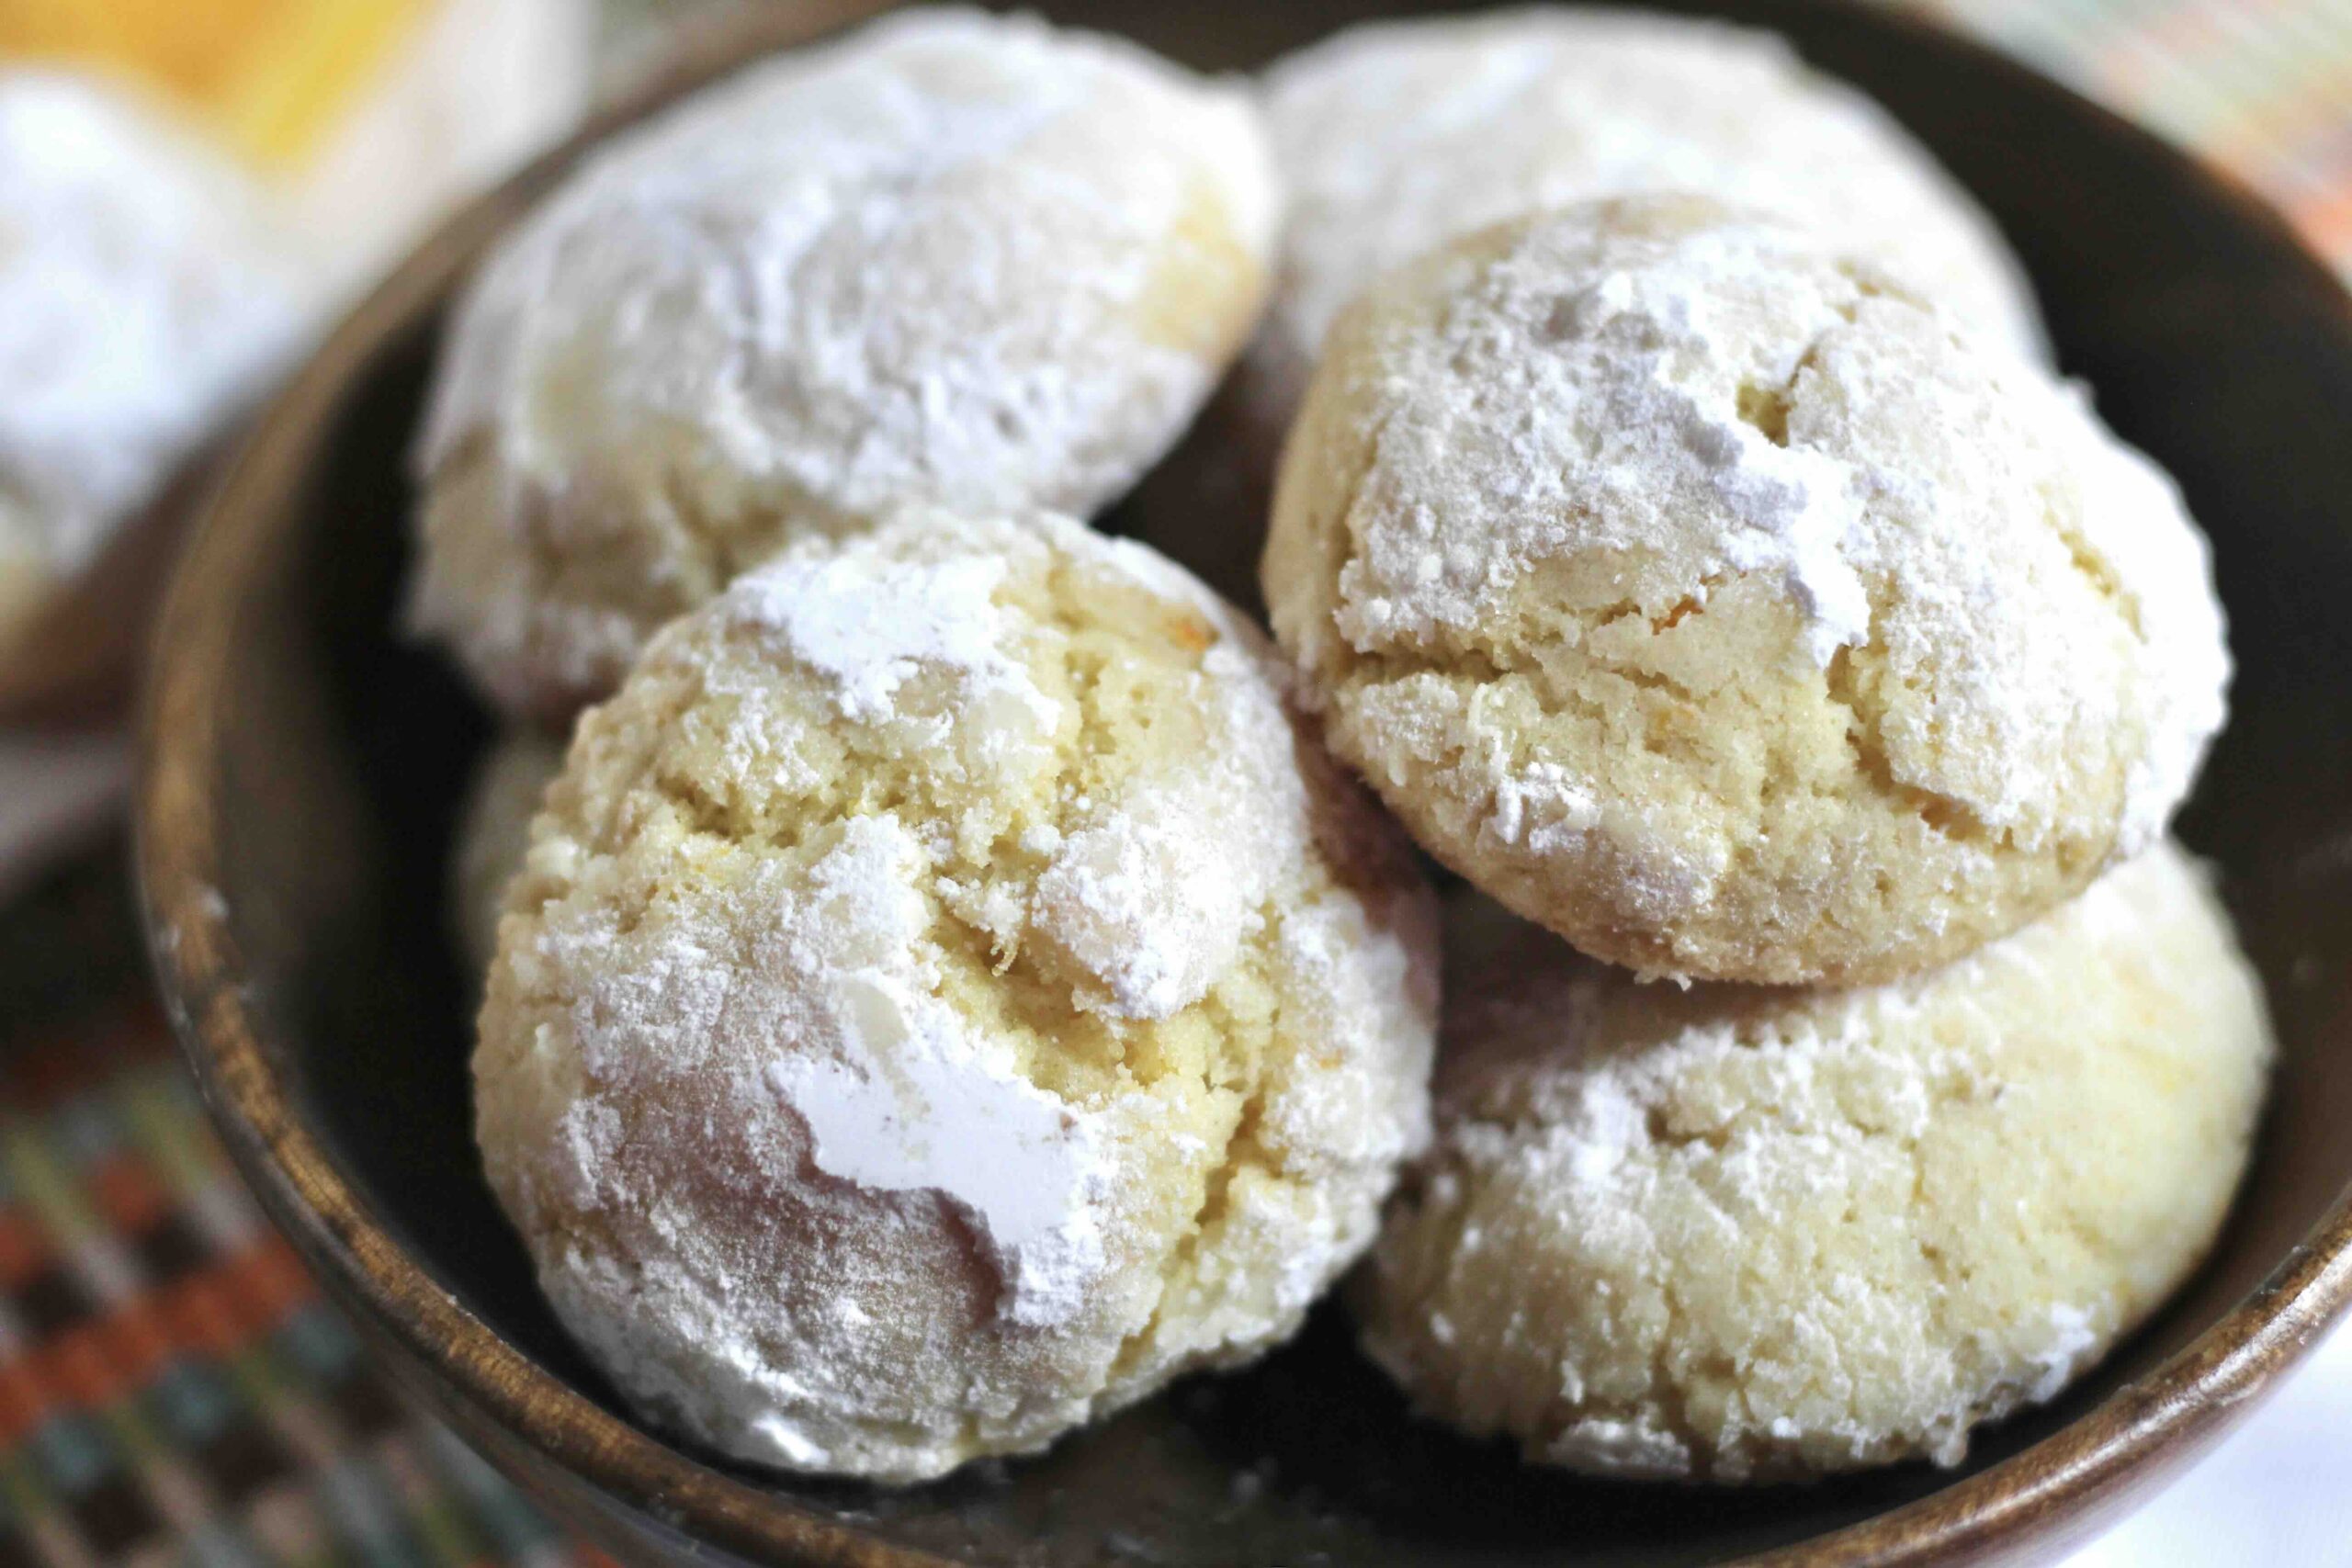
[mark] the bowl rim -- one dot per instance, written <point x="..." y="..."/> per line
<point x="2059" y="1489"/>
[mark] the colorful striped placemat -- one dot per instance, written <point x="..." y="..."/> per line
<point x="173" y="1389"/>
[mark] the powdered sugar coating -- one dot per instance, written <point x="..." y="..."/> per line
<point x="1743" y="1235"/>
<point x="145" y="292"/>
<point x="1396" y="137"/>
<point x="914" y="1103"/>
<point x="952" y="258"/>
<point x="916" y="1033"/>
<point x="1703" y="594"/>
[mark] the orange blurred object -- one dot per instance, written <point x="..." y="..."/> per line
<point x="271" y="77"/>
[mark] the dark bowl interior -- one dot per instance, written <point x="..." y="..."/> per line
<point x="305" y="762"/>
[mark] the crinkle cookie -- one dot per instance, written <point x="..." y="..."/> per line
<point x="945" y="1000"/>
<point x="1745" y="1234"/>
<point x="952" y="258"/>
<point x="495" y="830"/>
<point x="1702" y="595"/>
<point x="146" y="292"/>
<point x="1397" y="137"/>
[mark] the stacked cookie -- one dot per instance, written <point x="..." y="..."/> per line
<point x="1737" y="597"/>
<point x="949" y="989"/>
<point x="947" y="993"/>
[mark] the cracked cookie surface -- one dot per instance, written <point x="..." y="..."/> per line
<point x="1746" y="1233"/>
<point x="952" y="258"/>
<point x="1703" y="594"/>
<point x="947" y="996"/>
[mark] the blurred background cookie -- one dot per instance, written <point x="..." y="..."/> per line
<point x="186" y="193"/>
<point x="148" y="290"/>
<point x="366" y="118"/>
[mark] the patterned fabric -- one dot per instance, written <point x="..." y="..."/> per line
<point x="172" y="1388"/>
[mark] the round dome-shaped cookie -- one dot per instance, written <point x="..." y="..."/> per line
<point x="945" y="998"/>
<point x="1703" y="595"/>
<point x="1747" y="1233"/>
<point x="493" y="831"/>
<point x="145" y="291"/>
<point x="952" y="259"/>
<point x="1396" y="137"/>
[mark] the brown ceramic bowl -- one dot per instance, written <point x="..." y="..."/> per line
<point x="303" y="763"/>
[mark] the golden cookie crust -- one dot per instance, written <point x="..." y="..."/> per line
<point x="1749" y="1234"/>
<point x="1703" y="595"/>
<point x="947" y="997"/>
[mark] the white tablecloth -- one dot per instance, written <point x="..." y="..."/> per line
<point x="2276" y="1494"/>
